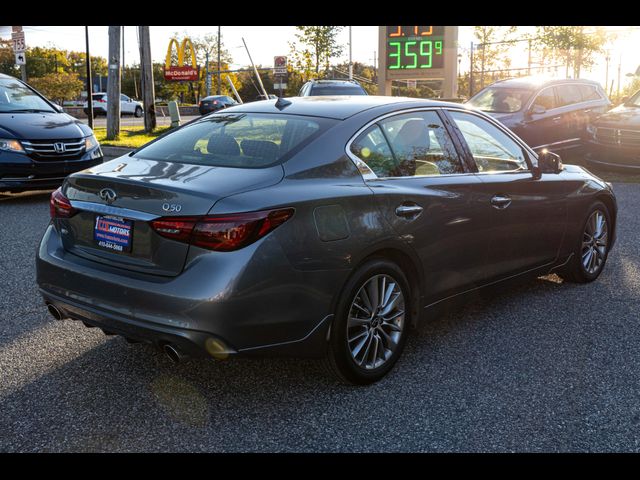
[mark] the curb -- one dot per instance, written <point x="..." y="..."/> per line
<point x="114" y="152"/>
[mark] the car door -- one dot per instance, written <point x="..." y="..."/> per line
<point x="574" y="119"/>
<point x="427" y="195"/>
<point x="540" y="126"/>
<point x="527" y="213"/>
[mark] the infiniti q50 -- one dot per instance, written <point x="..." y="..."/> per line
<point x="318" y="226"/>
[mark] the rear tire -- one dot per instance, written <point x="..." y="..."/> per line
<point x="590" y="246"/>
<point x="138" y="112"/>
<point x="371" y="323"/>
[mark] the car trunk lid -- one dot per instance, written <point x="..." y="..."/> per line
<point x="116" y="201"/>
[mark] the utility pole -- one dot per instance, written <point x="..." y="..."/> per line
<point x="350" y="63"/>
<point x="471" y="71"/>
<point x="207" y="76"/>
<point x="146" y="79"/>
<point x="89" y="80"/>
<point x="219" y="65"/>
<point x="113" y="84"/>
<point x="123" y="62"/>
<point x="619" y="75"/>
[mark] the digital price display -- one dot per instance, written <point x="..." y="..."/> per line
<point x="414" y="47"/>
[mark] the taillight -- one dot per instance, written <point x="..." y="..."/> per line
<point x="222" y="233"/>
<point x="60" y="206"/>
<point x="215" y="102"/>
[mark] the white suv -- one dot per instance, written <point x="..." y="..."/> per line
<point x="127" y="105"/>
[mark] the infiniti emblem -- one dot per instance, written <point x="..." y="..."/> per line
<point x="59" y="147"/>
<point x="108" y="195"/>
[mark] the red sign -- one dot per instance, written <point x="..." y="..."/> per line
<point x="181" y="73"/>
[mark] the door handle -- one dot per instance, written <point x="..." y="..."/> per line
<point x="556" y="119"/>
<point x="408" y="210"/>
<point x="500" y="201"/>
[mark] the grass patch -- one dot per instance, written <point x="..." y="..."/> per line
<point x="130" y="137"/>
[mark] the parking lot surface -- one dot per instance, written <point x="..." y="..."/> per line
<point x="543" y="366"/>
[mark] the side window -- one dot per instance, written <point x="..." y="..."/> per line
<point x="589" y="92"/>
<point x="420" y="145"/>
<point x="124" y="98"/>
<point x="492" y="149"/>
<point x="546" y="99"/>
<point x="372" y="148"/>
<point x="568" y="95"/>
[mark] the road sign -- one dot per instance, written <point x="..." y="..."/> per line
<point x="280" y="65"/>
<point x="18" y="42"/>
<point x="279" y="86"/>
<point x="21" y="58"/>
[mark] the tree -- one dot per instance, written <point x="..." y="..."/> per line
<point x="314" y="49"/>
<point x="576" y="45"/>
<point x="58" y="86"/>
<point x="363" y="74"/>
<point x="490" y="55"/>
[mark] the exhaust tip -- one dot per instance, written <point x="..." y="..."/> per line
<point x="173" y="353"/>
<point x="54" y="311"/>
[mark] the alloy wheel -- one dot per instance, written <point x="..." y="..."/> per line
<point x="594" y="242"/>
<point x="376" y="321"/>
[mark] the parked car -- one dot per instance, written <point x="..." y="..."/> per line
<point x="214" y="103"/>
<point x="545" y="113"/>
<point x="128" y="106"/>
<point x="614" y="138"/>
<point x="321" y="227"/>
<point x="331" y="87"/>
<point x="39" y="143"/>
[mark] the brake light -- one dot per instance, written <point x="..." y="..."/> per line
<point x="222" y="233"/>
<point x="60" y="206"/>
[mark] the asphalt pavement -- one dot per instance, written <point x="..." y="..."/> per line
<point x="540" y="367"/>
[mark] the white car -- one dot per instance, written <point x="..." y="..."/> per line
<point x="128" y="106"/>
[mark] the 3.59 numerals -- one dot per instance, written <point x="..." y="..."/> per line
<point x="413" y="53"/>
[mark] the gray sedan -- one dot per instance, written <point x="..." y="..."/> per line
<point x="317" y="226"/>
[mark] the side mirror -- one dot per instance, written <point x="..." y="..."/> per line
<point x="548" y="162"/>
<point x="58" y="108"/>
<point x="537" y="110"/>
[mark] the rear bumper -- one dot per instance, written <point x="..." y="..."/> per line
<point x="244" y="306"/>
<point x="19" y="172"/>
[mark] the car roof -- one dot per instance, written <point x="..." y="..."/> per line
<point x="333" y="106"/>
<point x="538" y="82"/>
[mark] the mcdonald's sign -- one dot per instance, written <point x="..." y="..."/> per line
<point x="181" y="72"/>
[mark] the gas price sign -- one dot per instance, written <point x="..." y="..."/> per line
<point x="414" y="47"/>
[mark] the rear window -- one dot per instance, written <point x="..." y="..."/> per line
<point x="247" y="140"/>
<point x="320" y="90"/>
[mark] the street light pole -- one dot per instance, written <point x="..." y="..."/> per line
<point x="89" y="81"/>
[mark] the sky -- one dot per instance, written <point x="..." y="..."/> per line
<point x="265" y="42"/>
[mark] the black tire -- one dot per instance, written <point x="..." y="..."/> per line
<point x="339" y="359"/>
<point x="138" y="112"/>
<point x="575" y="270"/>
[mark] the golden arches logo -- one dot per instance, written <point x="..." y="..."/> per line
<point x="181" y="73"/>
<point x="181" y="49"/>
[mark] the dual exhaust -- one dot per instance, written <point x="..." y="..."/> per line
<point x="172" y="352"/>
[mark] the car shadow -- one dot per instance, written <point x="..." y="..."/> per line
<point x="26" y="197"/>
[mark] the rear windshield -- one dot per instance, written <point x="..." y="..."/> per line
<point x="501" y="99"/>
<point x="320" y="90"/>
<point x="17" y="98"/>
<point x="243" y="140"/>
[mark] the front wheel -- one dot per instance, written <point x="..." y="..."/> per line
<point x="371" y="323"/>
<point x="592" y="248"/>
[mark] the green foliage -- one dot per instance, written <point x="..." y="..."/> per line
<point x="314" y="49"/>
<point x="577" y="46"/>
<point x="363" y="74"/>
<point x="491" y="56"/>
<point x="58" y="86"/>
